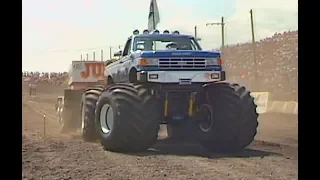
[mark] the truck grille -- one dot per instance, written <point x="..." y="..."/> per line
<point x="182" y="63"/>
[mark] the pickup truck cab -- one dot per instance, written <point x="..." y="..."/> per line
<point x="165" y="58"/>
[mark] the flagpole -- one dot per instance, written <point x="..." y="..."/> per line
<point x="154" y="24"/>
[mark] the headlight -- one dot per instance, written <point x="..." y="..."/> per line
<point x="212" y="61"/>
<point x="215" y="76"/>
<point x="148" y="61"/>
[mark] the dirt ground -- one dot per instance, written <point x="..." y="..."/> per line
<point x="48" y="155"/>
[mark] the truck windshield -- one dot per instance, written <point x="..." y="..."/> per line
<point x="165" y="43"/>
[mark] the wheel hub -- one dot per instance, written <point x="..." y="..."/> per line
<point x="205" y="118"/>
<point x="59" y="114"/>
<point x="106" y="118"/>
<point x="82" y="117"/>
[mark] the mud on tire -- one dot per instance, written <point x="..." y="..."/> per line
<point x="234" y="122"/>
<point x="88" y="107"/>
<point x="134" y="124"/>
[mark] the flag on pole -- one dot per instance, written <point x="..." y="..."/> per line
<point x="154" y="17"/>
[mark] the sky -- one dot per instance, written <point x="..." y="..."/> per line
<point x="56" y="32"/>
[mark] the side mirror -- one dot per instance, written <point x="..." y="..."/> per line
<point x="117" y="54"/>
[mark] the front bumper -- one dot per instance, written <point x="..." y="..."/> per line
<point x="182" y="77"/>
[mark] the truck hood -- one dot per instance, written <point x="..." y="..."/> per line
<point x="178" y="53"/>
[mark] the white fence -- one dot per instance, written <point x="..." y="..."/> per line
<point x="267" y="106"/>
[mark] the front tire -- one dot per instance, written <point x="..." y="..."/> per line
<point x="227" y="117"/>
<point x="127" y="118"/>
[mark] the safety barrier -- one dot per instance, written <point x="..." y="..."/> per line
<point x="282" y="107"/>
<point x="264" y="105"/>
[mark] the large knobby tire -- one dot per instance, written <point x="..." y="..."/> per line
<point x="127" y="118"/>
<point x="233" y="117"/>
<point x="88" y="107"/>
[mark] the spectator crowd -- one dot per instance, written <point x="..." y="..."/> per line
<point x="45" y="77"/>
<point x="276" y="67"/>
<point x="275" y="70"/>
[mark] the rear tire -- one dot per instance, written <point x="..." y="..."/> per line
<point x="66" y="126"/>
<point x="232" y="114"/>
<point x="70" y="115"/>
<point x="133" y="123"/>
<point x="88" y="107"/>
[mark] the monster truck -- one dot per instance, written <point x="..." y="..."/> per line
<point x="166" y="78"/>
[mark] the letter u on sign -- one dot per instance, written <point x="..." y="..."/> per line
<point x="95" y="70"/>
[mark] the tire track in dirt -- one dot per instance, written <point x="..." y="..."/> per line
<point x="71" y="158"/>
<point x="55" y="151"/>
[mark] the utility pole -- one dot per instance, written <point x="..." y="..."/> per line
<point x="222" y="30"/>
<point x="87" y="56"/>
<point x="196" y="34"/>
<point x="81" y="57"/>
<point x="110" y="52"/>
<point x="101" y="54"/>
<point x="94" y="55"/>
<point x="254" y="52"/>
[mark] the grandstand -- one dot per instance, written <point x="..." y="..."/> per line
<point x="277" y="65"/>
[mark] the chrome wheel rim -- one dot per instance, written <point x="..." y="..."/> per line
<point x="206" y="113"/>
<point x="106" y="118"/>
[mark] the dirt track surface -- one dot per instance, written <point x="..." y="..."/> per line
<point x="273" y="155"/>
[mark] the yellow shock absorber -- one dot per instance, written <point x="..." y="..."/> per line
<point x="166" y="106"/>
<point x="190" y="110"/>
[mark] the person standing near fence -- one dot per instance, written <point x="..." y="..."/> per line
<point x="32" y="89"/>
